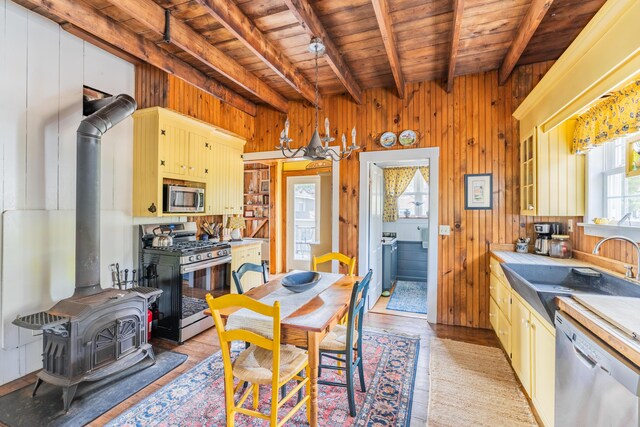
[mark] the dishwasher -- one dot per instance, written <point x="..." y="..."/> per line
<point x="595" y="386"/>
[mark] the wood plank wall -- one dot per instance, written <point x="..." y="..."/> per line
<point x="157" y="88"/>
<point x="474" y="128"/>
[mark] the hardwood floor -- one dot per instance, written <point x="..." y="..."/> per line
<point x="205" y="344"/>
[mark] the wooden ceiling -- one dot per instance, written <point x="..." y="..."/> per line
<point x="248" y="51"/>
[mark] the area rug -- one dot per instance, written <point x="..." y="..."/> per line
<point x="473" y="385"/>
<point x="92" y="399"/>
<point x="409" y="296"/>
<point x="197" y="397"/>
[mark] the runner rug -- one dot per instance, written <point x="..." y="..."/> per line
<point x="196" y="398"/>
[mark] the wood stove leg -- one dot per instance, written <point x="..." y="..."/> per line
<point x="152" y="355"/>
<point x="35" y="389"/>
<point x="67" y="396"/>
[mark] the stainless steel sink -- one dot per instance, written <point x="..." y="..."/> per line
<point x="539" y="285"/>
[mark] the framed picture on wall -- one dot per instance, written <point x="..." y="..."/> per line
<point x="264" y="186"/>
<point x="633" y="158"/>
<point x="478" y="191"/>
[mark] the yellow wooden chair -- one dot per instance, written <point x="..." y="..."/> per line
<point x="264" y="362"/>
<point x="335" y="256"/>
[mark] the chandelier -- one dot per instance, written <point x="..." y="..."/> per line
<point x="318" y="147"/>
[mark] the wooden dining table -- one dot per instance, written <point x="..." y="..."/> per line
<point x="309" y="324"/>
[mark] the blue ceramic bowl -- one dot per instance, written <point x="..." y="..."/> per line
<point x="300" y="282"/>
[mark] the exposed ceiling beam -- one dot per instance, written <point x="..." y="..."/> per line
<point x="238" y="24"/>
<point x="152" y="16"/>
<point x="532" y="19"/>
<point x="384" y="22"/>
<point x="311" y="23"/>
<point x="458" y="8"/>
<point x="89" y="20"/>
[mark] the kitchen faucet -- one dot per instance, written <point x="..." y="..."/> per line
<point x="629" y="274"/>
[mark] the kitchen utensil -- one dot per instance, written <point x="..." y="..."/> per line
<point x="126" y="276"/>
<point x="133" y="277"/>
<point x="162" y="240"/>
<point x="118" y="273"/>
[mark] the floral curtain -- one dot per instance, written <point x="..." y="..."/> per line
<point x="615" y="116"/>
<point x="396" y="181"/>
<point x="424" y="170"/>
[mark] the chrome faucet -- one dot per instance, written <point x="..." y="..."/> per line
<point x="629" y="274"/>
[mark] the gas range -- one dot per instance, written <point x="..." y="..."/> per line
<point x="194" y="251"/>
<point x="185" y="246"/>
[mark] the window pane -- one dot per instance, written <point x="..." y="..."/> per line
<point x="614" y="208"/>
<point x="304" y="220"/>
<point x="614" y="185"/>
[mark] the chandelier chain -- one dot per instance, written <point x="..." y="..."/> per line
<point x="317" y="53"/>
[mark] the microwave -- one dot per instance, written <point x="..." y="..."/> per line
<point x="179" y="199"/>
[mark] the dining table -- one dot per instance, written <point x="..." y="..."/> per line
<point x="309" y="323"/>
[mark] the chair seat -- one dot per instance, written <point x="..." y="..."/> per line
<point x="254" y="364"/>
<point x="336" y="340"/>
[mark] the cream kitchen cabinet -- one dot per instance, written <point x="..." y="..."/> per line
<point x="528" y="340"/>
<point x="551" y="177"/>
<point x="226" y="179"/>
<point x="240" y="254"/>
<point x="175" y="148"/>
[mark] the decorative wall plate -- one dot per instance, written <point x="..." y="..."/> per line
<point x="388" y="139"/>
<point x="407" y="137"/>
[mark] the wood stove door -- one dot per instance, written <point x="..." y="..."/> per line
<point x="114" y="340"/>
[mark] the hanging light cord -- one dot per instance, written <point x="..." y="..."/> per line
<point x="317" y="53"/>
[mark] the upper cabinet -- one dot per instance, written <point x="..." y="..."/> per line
<point x="551" y="177"/>
<point x="170" y="148"/>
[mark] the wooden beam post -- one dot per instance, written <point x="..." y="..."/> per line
<point x="532" y="19"/>
<point x="153" y="17"/>
<point x="458" y="8"/>
<point x="237" y="23"/>
<point x="311" y="23"/>
<point x="90" y="21"/>
<point x="384" y="22"/>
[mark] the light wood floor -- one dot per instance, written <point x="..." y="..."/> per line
<point x="205" y="344"/>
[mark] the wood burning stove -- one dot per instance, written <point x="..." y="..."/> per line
<point x="96" y="332"/>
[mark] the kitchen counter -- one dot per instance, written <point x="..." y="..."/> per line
<point x="509" y="257"/>
<point x="245" y="242"/>
<point x="610" y="334"/>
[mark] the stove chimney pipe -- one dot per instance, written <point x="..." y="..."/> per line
<point x="110" y="112"/>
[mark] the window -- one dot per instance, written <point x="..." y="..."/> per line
<point x="414" y="202"/>
<point x="612" y="194"/>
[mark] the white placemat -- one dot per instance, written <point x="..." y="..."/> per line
<point x="289" y="303"/>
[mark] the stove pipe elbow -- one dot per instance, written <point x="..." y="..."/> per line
<point x="109" y="113"/>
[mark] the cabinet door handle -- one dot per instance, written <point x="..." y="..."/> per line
<point x="531" y="207"/>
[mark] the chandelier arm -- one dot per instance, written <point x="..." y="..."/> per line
<point x="330" y="152"/>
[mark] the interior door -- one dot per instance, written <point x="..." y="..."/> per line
<point x="303" y="220"/>
<point x="375" y="232"/>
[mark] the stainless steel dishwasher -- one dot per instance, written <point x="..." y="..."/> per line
<point x="595" y="386"/>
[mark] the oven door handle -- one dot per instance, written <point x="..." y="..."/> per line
<point x="189" y="268"/>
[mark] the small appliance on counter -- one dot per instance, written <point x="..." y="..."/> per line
<point x="544" y="231"/>
<point x="560" y="246"/>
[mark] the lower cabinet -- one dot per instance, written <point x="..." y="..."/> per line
<point x="240" y="255"/>
<point x="530" y="343"/>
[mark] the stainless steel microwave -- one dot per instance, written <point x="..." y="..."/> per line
<point x="178" y="199"/>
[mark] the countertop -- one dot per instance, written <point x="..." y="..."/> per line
<point x="520" y="258"/>
<point x="245" y="242"/>
<point x="610" y="334"/>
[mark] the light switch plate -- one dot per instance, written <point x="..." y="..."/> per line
<point x="445" y="230"/>
<point x="570" y="226"/>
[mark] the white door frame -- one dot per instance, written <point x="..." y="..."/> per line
<point x="433" y="154"/>
<point x="335" y="195"/>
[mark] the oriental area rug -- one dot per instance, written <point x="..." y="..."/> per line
<point x="197" y="397"/>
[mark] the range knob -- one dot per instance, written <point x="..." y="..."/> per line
<point x="209" y="255"/>
<point x="191" y="258"/>
<point x="198" y="257"/>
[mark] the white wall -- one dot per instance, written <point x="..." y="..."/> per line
<point x="42" y="71"/>
<point x="406" y="229"/>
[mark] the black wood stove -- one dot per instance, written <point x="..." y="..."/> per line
<point x="96" y="332"/>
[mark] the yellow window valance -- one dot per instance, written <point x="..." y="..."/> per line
<point x="614" y="117"/>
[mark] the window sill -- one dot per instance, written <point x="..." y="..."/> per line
<point x="608" y="230"/>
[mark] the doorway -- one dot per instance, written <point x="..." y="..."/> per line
<point x="303" y="220"/>
<point x="370" y="242"/>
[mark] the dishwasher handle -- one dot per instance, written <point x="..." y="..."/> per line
<point x="584" y="357"/>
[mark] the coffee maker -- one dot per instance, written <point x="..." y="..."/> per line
<point x="544" y="231"/>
